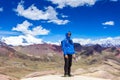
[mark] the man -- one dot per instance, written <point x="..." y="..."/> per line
<point x="69" y="52"/>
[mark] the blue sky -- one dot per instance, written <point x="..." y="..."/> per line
<point x="36" y="21"/>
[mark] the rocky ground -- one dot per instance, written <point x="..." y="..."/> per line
<point x="108" y="70"/>
<point x="93" y="62"/>
<point x="59" y="77"/>
<point x="4" y="77"/>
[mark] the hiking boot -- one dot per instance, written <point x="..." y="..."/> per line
<point x="69" y="75"/>
<point x="65" y="75"/>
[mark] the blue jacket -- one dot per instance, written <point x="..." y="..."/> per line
<point x="67" y="46"/>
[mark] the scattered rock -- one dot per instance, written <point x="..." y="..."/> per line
<point x="80" y="71"/>
<point x="110" y="69"/>
<point x="107" y="68"/>
<point x="101" y="74"/>
<point x="36" y="74"/>
<point x="4" y="77"/>
<point x="113" y="63"/>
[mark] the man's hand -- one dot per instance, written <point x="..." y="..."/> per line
<point x="74" y="56"/>
<point x="66" y="56"/>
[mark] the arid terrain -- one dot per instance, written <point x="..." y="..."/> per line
<point x="38" y="60"/>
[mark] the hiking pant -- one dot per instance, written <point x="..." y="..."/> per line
<point x="67" y="64"/>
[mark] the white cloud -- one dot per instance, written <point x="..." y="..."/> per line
<point x="73" y="3"/>
<point x="109" y="41"/>
<point x="82" y="41"/>
<point x="64" y="16"/>
<point x="114" y="0"/>
<point x="19" y="40"/>
<point x="29" y="35"/>
<point x="110" y="23"/>
<point x="1" y="9"/>
<point x="34" y="13"/>
<point x="7" y="33"/>
<point x="59" y="22"/>
<point x="24" y="28"/>
<point x="53" y="17"/>
<point x="54" y="43"/>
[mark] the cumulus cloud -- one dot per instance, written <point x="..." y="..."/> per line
<point x="19" y="40"/>
<point x="1" y="9"/>
<point x="29" y="35"/>
<point x="73" y="3"/>
<point x="110" y="23"/>
<point x="34" y="13"/>
<point x="109" y="41"/>
<point x="24" y="28"/>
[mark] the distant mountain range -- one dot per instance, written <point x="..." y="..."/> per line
<point x="105" y="57"/>
<point x="32" y="52"/>
<point x="106" y="42"/>
<point x="49" y="50"/>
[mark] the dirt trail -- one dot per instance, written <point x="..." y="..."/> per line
<point x="59" y="77"/>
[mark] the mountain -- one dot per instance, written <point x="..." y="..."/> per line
<point x="92" y="60"/>
<point x="6" y="50"/>
<point x="47" y="52"/>
<point x="39" y="49"/>
<point x="44" y="49"/>
<point x="105" y="42"/>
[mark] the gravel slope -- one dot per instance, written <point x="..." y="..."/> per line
<point x="59" y="77"/>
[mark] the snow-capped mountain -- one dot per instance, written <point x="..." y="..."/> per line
<point x="106" y="42"/>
